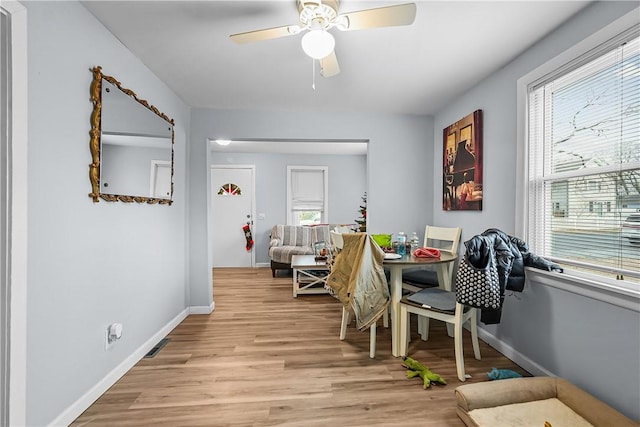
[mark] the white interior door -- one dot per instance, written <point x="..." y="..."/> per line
<point x="232" y="208"/>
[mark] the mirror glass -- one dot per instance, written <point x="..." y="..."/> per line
<point x="134" y="148"/>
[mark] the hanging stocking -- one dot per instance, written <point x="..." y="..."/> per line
<point x="247" y="235"/>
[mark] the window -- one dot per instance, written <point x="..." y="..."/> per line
<point x="229" y="190"/>
<point x="583" y="151"/>
<point x="307" y="195"/>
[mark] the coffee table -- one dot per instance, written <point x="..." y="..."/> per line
<point x="309" y="275"/>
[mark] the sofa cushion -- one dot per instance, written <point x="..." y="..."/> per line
<point x="283" y="254"/>
<point x="320" y="233"/>
<point x="534" y="413"/>
<point x="290" y="235"/>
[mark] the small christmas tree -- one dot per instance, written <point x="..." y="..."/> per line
<point x="362" y="221"/>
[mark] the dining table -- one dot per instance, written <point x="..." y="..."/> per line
<point x="396" y="264"/>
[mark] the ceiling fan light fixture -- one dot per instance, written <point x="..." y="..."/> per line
<point x="318" y="44"/>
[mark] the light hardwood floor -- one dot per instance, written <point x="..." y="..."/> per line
<point x="264" y="358"/>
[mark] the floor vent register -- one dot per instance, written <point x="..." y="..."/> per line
<point x="156" y="349"/>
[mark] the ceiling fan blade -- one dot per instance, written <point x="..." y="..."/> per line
<point x="389" y="16"/>
<point x="329" y="65"/>
<point x="266" y="34"/>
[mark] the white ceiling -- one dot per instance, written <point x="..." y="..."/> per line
<point x="416" y="69"/>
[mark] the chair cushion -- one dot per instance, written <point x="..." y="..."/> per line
<point x="435" y="299"/>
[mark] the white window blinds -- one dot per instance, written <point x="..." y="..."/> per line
<point x="584" y="162"/>
<point x="307" y="189"/>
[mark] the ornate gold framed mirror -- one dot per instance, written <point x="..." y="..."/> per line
<point x="131" y="146"/>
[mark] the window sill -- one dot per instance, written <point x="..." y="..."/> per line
<point x="623" y="295"/>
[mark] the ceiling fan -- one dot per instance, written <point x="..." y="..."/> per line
<point x="319" y="16"/>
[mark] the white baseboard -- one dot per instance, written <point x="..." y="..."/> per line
<point x="519" y="358"/>
<point x="79" y="406"/>
<point x="262" y="264"/>
<point x="202" y="309"/>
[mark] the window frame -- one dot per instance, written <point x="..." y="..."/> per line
<point x="324" y="213"/>
<point x="623" y="294"/>
<point x="14" y="401"/>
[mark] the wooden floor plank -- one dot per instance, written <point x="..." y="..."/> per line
<point x="264" y="358"/>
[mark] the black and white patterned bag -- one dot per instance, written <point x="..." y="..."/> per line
<point x="478" y="287"/>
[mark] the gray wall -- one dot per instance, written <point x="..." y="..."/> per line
<point x="347" y="184"/>
<point x="594" y="344"/>
<point x="89" y="264"/>
<point x="399" y="152"/>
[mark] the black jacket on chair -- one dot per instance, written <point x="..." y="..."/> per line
<point x="512" y="256"/>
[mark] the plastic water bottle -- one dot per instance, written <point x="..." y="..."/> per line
<point x="415" y="242"/>
<point x="402" y="244"/>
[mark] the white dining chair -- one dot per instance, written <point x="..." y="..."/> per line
<point x="434" y="303"/>
<point x="337" y="242"/>
<point x="372" y="330"/>
<point x="446" y="239"/>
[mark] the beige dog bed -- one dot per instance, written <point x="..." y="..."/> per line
<point x="533" y="402"/>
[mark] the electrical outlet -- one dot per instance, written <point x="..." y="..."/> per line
<point x="112" y="334"/>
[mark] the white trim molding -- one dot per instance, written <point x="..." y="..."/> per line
<point x="202" y="309"/>
<point x="17" y="280"/>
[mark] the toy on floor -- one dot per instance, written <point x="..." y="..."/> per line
<point x="418" y="369"/>
<point x="501" y="374"/>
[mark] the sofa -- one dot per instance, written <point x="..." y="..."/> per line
<point x="289" y="240"/>
<point x="533" y="401"/>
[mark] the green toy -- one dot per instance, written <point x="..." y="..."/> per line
<point x="416" y="369"/>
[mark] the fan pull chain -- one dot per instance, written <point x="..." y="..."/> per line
<point x="313" y="73"/>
